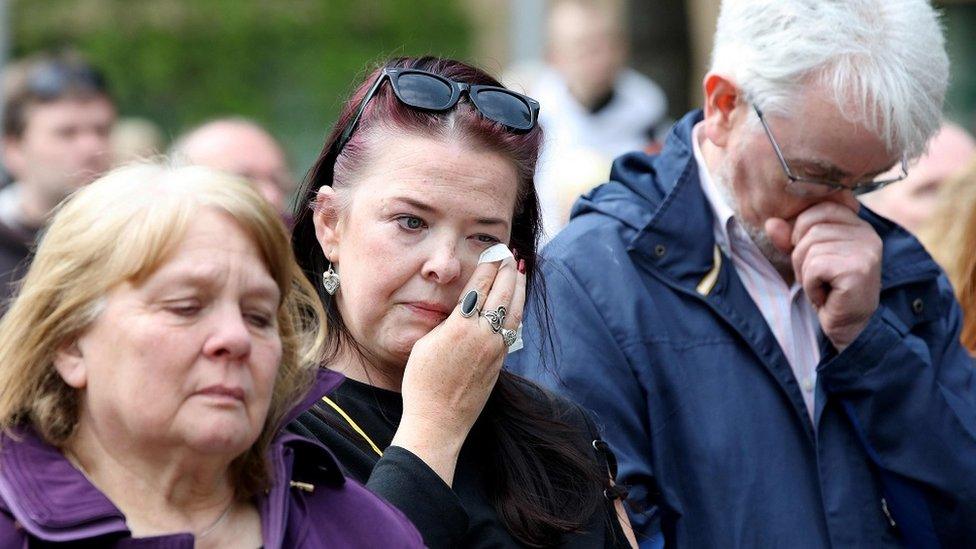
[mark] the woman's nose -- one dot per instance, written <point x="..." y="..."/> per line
<point x="230" y="337"/>
<point x="443" y="266"/>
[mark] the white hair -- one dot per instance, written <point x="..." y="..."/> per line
<point x="883" y="62"/>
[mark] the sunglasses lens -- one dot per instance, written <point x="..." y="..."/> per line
<point x="505" y="108"/>
<point x="424" y="91"/>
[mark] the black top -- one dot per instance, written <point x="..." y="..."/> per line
<point x="462" y="517"/>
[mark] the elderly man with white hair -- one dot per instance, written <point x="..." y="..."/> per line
<point x="774" y="365"/>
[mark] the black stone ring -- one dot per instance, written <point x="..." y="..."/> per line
<point x="469" y="303"/>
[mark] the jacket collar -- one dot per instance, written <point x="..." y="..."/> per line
<point x="55" y="502"/>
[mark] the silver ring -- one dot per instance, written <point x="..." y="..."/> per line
<point x="509" y="336"/>
<point x="496" y="318"/>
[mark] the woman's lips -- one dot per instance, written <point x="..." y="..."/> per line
<point x="222" y="391"/>
<point x="430" y="311"/>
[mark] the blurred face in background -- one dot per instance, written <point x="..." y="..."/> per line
<point x="912" y="201"/>
<point x="243" y="149"/>
<point x="586" y="47"/>
<point x="65" y="145"/>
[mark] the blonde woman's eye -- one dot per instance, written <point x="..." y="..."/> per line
<point x="261" y="320"/>
<point x="411" y="223"/>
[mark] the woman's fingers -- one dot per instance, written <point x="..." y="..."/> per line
<point x="481" y="281"/>
<point x="499" y="300"/>
<point x="517" y="307"/>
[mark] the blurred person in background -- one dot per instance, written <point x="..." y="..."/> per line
<point x="912" y="202"/>
<point x="781" y="366"/>
<point x="162" y="337"/>
<point x="57" y="119"/>
<point x="242" y="147"/>
<point x="406" y="225"/>
<point x="135" y="139"/>
<point x="949" y="234"/>
<point x="594" y="108"/>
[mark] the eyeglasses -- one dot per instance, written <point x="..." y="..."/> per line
<point x="805" y="186"/>
<point x="431" y="92"/>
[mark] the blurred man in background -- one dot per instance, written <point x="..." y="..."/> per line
<point x="593" y="107"/>
<point x="241" y="147"/>
<point x="57" y="118"/>
<point x="912" y="201"/>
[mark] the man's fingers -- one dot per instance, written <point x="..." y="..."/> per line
<point x="824" y="212"/>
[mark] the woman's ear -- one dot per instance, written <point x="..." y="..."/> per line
<point x="722" y="97"/>
<point x="328" y="225"/>
<point x="70" y="364"/>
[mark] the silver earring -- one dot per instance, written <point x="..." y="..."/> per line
<point x="330" y="280"/>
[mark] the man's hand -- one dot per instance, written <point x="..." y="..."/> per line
<point x="837" y="259"/>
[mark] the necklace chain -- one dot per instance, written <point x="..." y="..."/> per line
<point x="204" y="533"/>
<point x="209" y="529"/>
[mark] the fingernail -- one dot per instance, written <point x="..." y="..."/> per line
<point x="521" y="266"/>
<point x="498" y="252"/>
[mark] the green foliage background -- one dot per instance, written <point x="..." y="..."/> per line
<point x="286" y="63"/>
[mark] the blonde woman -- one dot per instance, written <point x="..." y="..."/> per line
<point x="950" y="236"/>
<point x="160" y="339"/>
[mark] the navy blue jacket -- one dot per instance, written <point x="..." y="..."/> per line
<point x="698" y="401"/>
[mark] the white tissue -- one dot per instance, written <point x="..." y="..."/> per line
<point x="518" y="340"/>
<point x="498" y="252"/>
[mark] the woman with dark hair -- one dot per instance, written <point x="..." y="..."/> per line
<point x="421" y="190"/>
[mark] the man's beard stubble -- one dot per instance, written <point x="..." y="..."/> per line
<point x="780" y="261"/>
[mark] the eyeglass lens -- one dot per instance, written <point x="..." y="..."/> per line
<point x="424" y="91"/>
<point x="504" y="108"/>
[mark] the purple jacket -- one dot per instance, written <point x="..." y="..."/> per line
<point x="44" y="498"/>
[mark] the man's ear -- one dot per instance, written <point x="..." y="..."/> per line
<point x="70" y="364"/>
<point x="328" y="225"/>
<point x="722" y="97"/>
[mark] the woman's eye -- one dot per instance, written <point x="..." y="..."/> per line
<point x="260" y="320"/>
<point x="411" y="223"/>
<point x="487" y="239"/>
<point x="183" y="309"/>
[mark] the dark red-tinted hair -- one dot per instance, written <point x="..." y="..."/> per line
<point x="539" y="474"/>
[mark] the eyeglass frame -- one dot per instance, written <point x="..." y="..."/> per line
<point x="457" y="89"/>
<point x="857" y="188"/>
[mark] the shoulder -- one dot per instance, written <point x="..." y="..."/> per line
<point x="348" y="513"/>
<point x="323" y="504"/>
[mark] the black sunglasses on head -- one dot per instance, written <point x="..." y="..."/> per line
<point x="431" y="92"/>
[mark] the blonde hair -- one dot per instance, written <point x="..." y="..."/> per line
<point x="121" y="228"/>
<point x="950" y="236"/>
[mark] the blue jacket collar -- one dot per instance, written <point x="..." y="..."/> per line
<point x="55" y="502"/>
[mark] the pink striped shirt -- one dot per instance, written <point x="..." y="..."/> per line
<point x="787" y="311"/>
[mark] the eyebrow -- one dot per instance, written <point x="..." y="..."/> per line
<point x="424" y="207"/>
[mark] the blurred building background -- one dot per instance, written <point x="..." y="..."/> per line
<point x="286" y="63"/>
